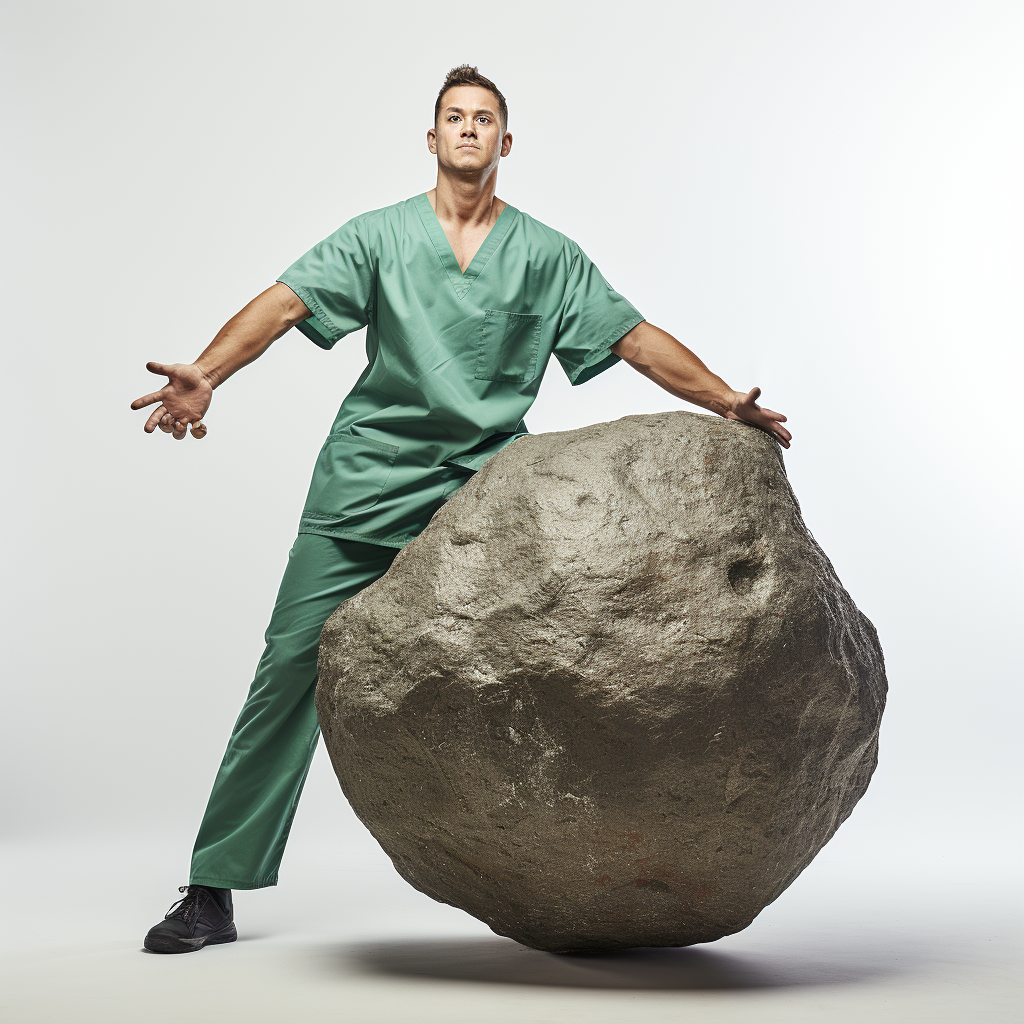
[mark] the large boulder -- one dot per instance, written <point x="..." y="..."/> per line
<point x="614" y="695"/>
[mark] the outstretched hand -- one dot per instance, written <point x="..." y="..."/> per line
<point x="183" y="400"/>
<point x="744" y="407"/>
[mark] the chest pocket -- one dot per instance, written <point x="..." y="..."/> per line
<point x="349" y="476"/>
<point x="507" y="346"/>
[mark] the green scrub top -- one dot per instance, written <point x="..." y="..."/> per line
<point x="454" y="360"/>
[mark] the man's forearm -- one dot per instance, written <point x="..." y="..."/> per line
<point x="670" y="364"/>
<point x="250" y="332"/>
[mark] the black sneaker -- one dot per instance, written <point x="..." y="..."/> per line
<point x="203" y="916"/>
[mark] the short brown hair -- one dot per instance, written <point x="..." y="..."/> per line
<point x="466" y="75"/>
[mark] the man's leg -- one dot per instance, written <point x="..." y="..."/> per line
<point x="249" y="814"/>
<point x="250" y="811"/>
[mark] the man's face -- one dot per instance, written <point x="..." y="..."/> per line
<point x="468" y="135"/>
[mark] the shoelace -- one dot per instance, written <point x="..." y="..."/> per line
<point x="190" y="906"/>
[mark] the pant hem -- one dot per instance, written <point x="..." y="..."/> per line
<point x="231" y="883"/>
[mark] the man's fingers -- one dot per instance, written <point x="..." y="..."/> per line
<point x="170" y="424"/>
<point x="772" y="420"/>
<point x="141" y="403"/>
<point x="776" y="428"/>
<point x="151" y="424"/>
<point x="759" y="419"/>
<point x="781" y="434"/>
<point x="767" y="420"/>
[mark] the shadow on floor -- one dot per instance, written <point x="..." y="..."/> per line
<point x="506" y="962"/>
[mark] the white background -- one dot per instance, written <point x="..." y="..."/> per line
<point x="819" y="198"/>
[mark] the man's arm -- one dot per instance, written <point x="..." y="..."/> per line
<point x="245" y="337"/>
<point x="669" y="363"/>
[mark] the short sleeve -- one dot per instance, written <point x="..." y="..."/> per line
<point x="592" y="317"/>
<point x="335" y="280"/>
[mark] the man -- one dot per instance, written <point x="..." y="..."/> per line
<point x="464" y="298"/>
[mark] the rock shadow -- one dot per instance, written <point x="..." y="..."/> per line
<point x="505" y="962"/>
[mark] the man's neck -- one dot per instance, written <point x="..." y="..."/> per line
<point x="466" y="204"/>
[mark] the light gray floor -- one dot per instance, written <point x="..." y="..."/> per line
<point x="358" y="944"/>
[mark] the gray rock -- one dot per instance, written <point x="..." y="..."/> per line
<point x="614" y="695"/>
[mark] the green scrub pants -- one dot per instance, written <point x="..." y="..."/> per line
<point x="249" y="814"/>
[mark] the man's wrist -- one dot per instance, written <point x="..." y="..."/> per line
<point x="723" y="402"/>
<point x="209" y="375"/>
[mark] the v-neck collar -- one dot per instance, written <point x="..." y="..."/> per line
<point x="462" y="280"/>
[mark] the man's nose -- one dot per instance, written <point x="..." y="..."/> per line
<point x="468" y="129"/>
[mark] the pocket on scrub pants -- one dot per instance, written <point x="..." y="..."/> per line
<point x="350" y="475"/>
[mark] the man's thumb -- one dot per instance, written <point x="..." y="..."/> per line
<point x="159" y="368"/>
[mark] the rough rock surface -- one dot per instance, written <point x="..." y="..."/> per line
<point x="614" y="695"/>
